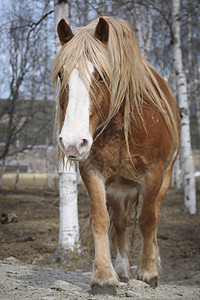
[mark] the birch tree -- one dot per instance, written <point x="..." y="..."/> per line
<point x="136" y="14"/>
<point x="69" y="226"/>
<point x="143" y="27"/>
<point x="186" y="150"/>
<point x="198" y="98"/>
<point x="193" y="66"/>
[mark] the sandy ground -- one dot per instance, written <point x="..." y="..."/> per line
<point x="24" y="281"/>
<point x="25" y="245"/>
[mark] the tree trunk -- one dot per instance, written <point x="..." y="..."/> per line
<point x="136" y="14"/>
<point x="69" y="227"/>
<point x="198" y="114"/>
<point x="186" y="150"/>
<point x="16" y="186"/>
<point x="143" y="28"/>
<point x="177" y="169"/>
<point x="149" y="35"/>
<point x="178" y="174"/>
<point x="162" y="63"/>
<point x="3" y="168"/>
<point x="60" y="12"/>
<point x="190" y="64"/>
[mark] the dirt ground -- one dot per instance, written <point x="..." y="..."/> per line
<point x="34" y="236"/>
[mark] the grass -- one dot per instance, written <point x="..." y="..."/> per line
<point x="29" y="180"/>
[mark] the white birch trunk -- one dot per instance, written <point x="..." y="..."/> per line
<point x="143" y="28"/>
<point x="138" y="31"/>
<point x="178" y="174"/>
<point x="149" y="36"/>
<point x="162" y="64"/>
<point x="69" y="226"/>
<point x="197" y="97"/>
<point x="143" y="21"/>
<point x="189" y="41"/>
<point x="186" y="151"/>
<point x="60" y="12"/>
<point x="198" y="111"/>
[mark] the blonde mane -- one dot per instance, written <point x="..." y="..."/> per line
<point x="119" y="63"/>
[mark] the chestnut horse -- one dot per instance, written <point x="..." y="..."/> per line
<point x="117" y="117"/>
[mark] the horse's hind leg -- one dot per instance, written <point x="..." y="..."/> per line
<point x="120" y="223"/>
<point x="150" y="266"/>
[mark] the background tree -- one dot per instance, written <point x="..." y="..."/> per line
<point x="186" y="151"/>
<point x="69" y="243"/>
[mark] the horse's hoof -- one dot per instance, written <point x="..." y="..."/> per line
<point x="123" y="279"/>
<point x="153" y="282"/>
<point x="105" y="289"/>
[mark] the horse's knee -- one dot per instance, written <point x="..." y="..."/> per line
<point x="148" y="222"/>
<point x="100" y="222"/>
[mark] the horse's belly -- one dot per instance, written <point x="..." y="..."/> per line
<point x="122" y="188"/>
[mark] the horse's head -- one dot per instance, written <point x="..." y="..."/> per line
<point x="84" y="99"/>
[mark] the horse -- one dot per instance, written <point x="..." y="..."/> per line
<point x="117" y="117"/>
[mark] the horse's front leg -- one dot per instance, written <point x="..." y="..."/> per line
<point x="104" y="273"/>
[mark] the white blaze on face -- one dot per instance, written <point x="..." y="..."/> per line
<point x="75" y="138"/>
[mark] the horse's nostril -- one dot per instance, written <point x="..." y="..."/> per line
<point x="60" y="140"/>
<point x="72" y="157"/>
<point x="83" y="142"/>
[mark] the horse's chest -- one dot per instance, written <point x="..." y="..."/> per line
<point x="106" y="153"/>
<point x="110" y="157"/>
<point x="107" y="159"/>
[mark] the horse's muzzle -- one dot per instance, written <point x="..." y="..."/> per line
<point x="77" y="150"/>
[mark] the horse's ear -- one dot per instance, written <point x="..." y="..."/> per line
<point x="102" y="31"/>
<point x="64" y="32"/>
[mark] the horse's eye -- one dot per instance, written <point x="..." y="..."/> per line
<point x="100" y="79"/>
<point x="59" y="75"/>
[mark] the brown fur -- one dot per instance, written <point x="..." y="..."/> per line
<point x="136" y="131"/>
